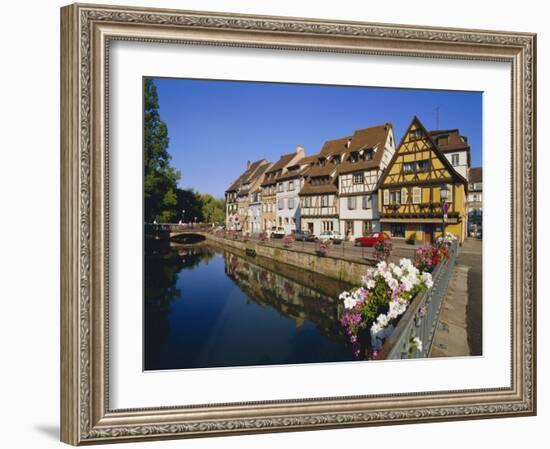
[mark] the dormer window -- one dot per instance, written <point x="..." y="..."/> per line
<point x="336" y="159"/>
<point x="354" y="157"/>
<point x="443" y="141"/>
<point x="368" y="155"/>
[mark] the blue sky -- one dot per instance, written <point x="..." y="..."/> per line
<point x="216" y="126"/>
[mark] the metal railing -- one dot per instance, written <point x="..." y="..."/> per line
<point x="422" y="317"/>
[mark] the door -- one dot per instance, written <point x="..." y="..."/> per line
<point x="428" y="233"/>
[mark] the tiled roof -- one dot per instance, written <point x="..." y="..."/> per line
<point x="367" y="138"/>
<point x="281" y="163"/>
<point x="249" y="175"/>
<point x="336" y="146"/>
<point x="318" y="189"/>
<point x="475" y="174"/>
<point x="455" y="140"/>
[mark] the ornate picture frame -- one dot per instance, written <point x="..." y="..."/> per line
<point x="87" y="32"/>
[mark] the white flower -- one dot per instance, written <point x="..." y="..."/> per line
<point x="350" y="300"/>
<point x="393" y="284"/>
<point x="382" y="266"/>
<point x="417" y="344"/>
<point x="370" y="284"/>
<point x="427" y="279"/>
<point x="397" y="271"/>
<point x="382" y="320"/>
<point x="376" y="330"/>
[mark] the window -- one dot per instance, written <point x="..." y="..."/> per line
<point x="291" y="203"/>
<point x="328" y="226"/>
<point x="336" y="159"/>
<point x="368" y="155"/>
<point x="358" y="178"/>
<point x="455" y="159"/>
<point x="423" y="165"/>
<point x="281" y="204"/>
<point x="354" y="157"/>
<point x="416" y="166"/>
<point x="417" y="195"/>
<point x="443" y="141"/>
<point x="367" y="227"/>
<point x="415" y="134"/>
<point x="280" y="187"/>
<point x="286" y="220"/>
<point x="324" y="201"/>
<point x="352" y="202"/>
<point x="291" y="185"/>
<point x="397" y="230"/>
<point x="367" y="202"/>
<point x="395" y="197"/>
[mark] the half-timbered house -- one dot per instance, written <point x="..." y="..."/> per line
<point x="319" y="205"/>
<point x="368" y="153"/>
<point x="411" y="205"/>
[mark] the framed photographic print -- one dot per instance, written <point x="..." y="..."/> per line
<point x="280" y="224"/>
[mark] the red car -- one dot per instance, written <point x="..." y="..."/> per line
<point x="371" y="239"/>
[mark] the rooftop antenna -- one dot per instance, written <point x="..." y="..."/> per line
<point x="437" y="117"/>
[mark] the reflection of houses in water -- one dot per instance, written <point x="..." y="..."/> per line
<point x="299" y="301"/>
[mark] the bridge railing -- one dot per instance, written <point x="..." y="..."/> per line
<point x="172" y="227"/>
<point x="422" y="317"/>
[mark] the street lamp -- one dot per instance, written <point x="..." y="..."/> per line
<point x="444" y="191"/>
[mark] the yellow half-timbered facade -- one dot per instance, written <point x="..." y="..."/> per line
<point x="410" y="203"/>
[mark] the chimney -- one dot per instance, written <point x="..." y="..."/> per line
<point x="247" y="165"/>
<point x="300" y="150"/>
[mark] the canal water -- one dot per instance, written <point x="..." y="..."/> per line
<point x="207" y="307"/>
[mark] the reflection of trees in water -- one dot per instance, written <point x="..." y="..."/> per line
<point x="298" y="301"/>
<point x="161" y="275"/>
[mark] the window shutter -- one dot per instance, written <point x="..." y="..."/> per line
<point x="451" y="188"/>
<point x="417" y="195"/>
<point x="386" y="197"/>
<point x="404" y="195"/>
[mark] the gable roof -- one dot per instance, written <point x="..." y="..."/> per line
<point x="367" y="138"/>
<point x="281" y="163"/>
<point x="434" y="148"/>
<point x="249" y="174"/>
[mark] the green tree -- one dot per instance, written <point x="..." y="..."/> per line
<point x="213" y="209"/>
<point x="159" y="177"/>
<point x="189" y="201"/>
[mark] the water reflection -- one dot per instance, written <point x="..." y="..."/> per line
<point x="206" y="307"/>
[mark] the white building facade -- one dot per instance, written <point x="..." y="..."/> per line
<point x="288" y="204"/>
<point x="369" y="153"/>
<point x="455" y="148"/>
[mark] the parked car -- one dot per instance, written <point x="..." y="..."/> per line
<point x="335" y="236"/>
<point x="276" y="232"/>
<point x="371" y="239"/>
<point x="304" y="236"/>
